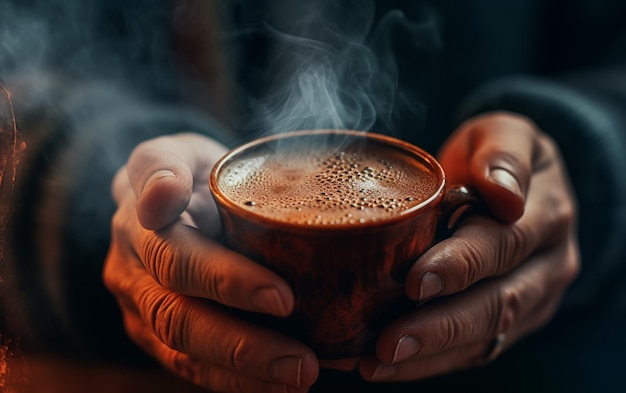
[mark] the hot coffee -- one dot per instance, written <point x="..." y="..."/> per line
<point x="323" y="185"/>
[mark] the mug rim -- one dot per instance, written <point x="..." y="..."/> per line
<point x="248" y="214"/>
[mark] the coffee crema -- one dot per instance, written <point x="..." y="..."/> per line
<point x="305" y="184"/>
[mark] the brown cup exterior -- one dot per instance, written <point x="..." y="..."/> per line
<point x="347" y="279"/>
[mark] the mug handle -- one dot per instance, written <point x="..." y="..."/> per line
<point x="460" y="201"/>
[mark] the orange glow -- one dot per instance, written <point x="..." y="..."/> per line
<point x="10" y="142"/>
<point x="11" y="147"/>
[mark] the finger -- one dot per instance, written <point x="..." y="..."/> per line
<point x="565" y="267"/>
<point x="201" y="373"/>
<point x="205" y="331"/>
<point x="162" y="170"/>
<point x="500" y="149"/>
<point x="190" y="326"/>
<point x="482" y="248"/>
<point x="478" y="249"/>
<point x="525" y="297"/>
<point x="455" y="359"/>
<point x="425" y="365"/>
<point x="185" y="261"/>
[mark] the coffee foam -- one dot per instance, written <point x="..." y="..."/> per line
<point x="328" y="187"/>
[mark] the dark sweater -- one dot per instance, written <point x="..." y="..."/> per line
<point x="87" y="93"/>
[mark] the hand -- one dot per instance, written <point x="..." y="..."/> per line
<point x="172" y="280"/>
<point x="500" y="277"/>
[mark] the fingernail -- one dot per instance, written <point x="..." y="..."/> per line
<point x="406" y="347"/>
<point x="156" y="176"/>
<point x="382" y="372"/>
<point x="287" y="370"/>
<point x="431" y="285"/>
<point x="269" y="300"/>
<point x="505" y="179"/>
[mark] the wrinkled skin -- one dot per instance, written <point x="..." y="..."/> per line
<point x="505" y="274"/>
<point x="171" y="278"/>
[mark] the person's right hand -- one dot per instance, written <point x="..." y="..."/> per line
<point x="173" y="281"/>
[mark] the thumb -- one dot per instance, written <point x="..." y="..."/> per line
<point x="494" y="153"/>
<point x="501" y="165"/>
<point x="162" y="180"/>
<point x="503" y="183"/>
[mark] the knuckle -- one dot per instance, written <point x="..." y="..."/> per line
<point x="565" y="214"/>
<point x="561" y="217"/>
<point x="467" y="266"/>
<point x="110" y="278"/>
<point x="184" y="366"/>
<point x="572" y="265"/>
<point x="547" y="144"/>
<point x="159" y="258"/>
<point x="166" y="316"/>
<point x="476" y="256"/>
<point x="209" y="278"/>
<point x="450" y="330"/>
<point x="182" y="270"/>
<point x="118" y="222"/>
<point x="546" y="152"/>
<point x="507" y="308"/>
<point x="239" y="353"/>
<point x="513" y="247"/>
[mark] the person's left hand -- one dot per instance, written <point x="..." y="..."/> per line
<point x="493" y="281"/>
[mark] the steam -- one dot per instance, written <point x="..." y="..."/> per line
<point x="331" y="64"/>
<point x="334" y="66"/>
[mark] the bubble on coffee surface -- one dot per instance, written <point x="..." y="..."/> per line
<point x="323" y="187"/>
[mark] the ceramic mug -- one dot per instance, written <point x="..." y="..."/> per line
<point x="341" y="215"/>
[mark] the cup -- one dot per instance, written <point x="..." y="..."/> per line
<point x="341" y="215"/>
